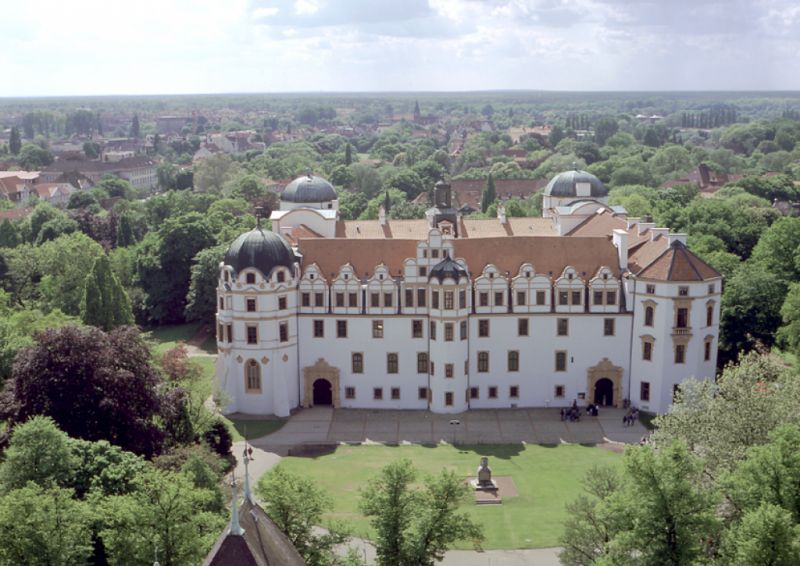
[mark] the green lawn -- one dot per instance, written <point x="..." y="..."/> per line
<point x="546" y="479"/>
<point x="167" y="337"/>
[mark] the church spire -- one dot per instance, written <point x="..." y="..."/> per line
<point x="236" y="528"/>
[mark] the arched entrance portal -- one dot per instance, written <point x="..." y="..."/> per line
<point x="604" y="392"/>
<point x="323" y="393"/>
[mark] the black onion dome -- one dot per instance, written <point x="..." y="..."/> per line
<point x="447" y="268"/>
<point x="263" y="250"/>
<point x="309" y="188"/>
<point x="563" y="184"/>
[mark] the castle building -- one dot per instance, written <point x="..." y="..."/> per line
<point x="450" y="313"/>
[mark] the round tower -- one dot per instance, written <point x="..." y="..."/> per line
<point x="257" y="367"/>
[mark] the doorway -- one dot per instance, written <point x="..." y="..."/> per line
<point x="604" y="392"/>
<point x="323" y="393"/>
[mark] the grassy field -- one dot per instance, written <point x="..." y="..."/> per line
<point x="167" y="337"/>
<point x="546" y="479"/>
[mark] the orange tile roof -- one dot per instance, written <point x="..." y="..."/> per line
<point x="418" y="229"/>
<point x="677" y="263"/>
<point x="330" y="254"/>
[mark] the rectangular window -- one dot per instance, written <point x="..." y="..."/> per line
<point x="559" y="391"/>
<point x="433" y="330"/>
<point x="391" y="363"/>
<point x="283" y="332"/>
<point x="650" y="289"/>
<point x="421" y="301"/>
<point x="377" y="394"/>
<point x="608" y="327"/>
<point x="252" y="334"/>
<point x="597" y="297"/>
<point x="395" y="393"/>
<point x="644" y="391"/>
<point x="387" y="299"/>
<point x="434" y="299"/>
<point x="340" y="300"/>
<point x="576" y="297"/>
<point x="349" y="392"/>
<point x="611" y="297"/>
<point x="422" y="393"/>
<point x="229" y="331"/>
<point x="374" y="300"/>
<point x="563" y="298"/>
<point x="483" y="299"/>
<point x="483" y="362"/>
<point x="648" y="316"/>
<point x="222" y="303"/>
<point x="352" y="300"/>
<point x="483" y="328"/>
<point x="522" y="327"/>
<point x="281" y="303"/>
<point x="422" y="362"/>
<point x="493" y="392"/>
<point x="513" y="391"/>
<point x="682" y="318"/>
<point x="711" y="289"/>
<point x="341" y="329"/>
<point x="513" y="360"/>
<point x="521" y="298"/>
<point x="423" y="271"/>
<point x="448" y="370"/>
<point x="474" y="392"/>
<point x="462" y="299"/>
<point x="709" y="315"/>
<point x="319" y="329"/>
<point x="221" y="332"/>
<point x="462" y="330"/>
<point x="448" y="399"/>
<point x="707" y="350"/>
<point x="377" y="329"/>
<point x="647" y="351"/>
<point x="683" y="291"/>
<point x="541" y="298"/>
<point x="680" y="354"/>
<point x="432" y="368"/>
<point x="448" y="300"/>
<point x="409" y="297"/>
<point x="466" y="367"/>
<point x="250" y="278"/>
<point x="416" y="329"/>
<point x="562" y="327"/>
<point x="319" y="300"/>
<point x="358" y="362"/>
<point x="448" y="332"/>
<point x="561" y="361"/>
<point x="498" y="299"/>
<point x="251" y="305"/>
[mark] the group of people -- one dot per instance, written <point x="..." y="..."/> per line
<point x="572" y="414"/>
<point x="630" y="417"/>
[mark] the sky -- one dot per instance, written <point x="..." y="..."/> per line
<point x="94" y="47"/>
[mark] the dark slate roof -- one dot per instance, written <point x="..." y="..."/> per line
<point x="447" y="269"/>
<point x="262" y="544"/>
<point x="261" y="249"/>
<point x="309" y="188"/>
<point x="563" y="184"/>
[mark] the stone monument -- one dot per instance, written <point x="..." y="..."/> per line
<point x="484" y="481"/>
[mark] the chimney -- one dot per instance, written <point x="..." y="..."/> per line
<point x="620" y="240"/>
<point x="501" y="214"/>
<point x="631" y="222"/>
<point x="676" y="238"/>
<point x="382" y="215"/>
<point x="655" y="232"/>
<point x="644" y="227"/>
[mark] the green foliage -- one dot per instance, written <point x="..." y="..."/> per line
<point x="136" y="130"/>
<point x="416" y="526"/>
<point x="765" y="535"/>
<point x="33" y="157"/>
<point x="105" y="303"/>
<point x="116" y="186"/>
<point x="201" y="300"/>
<point x="100" y="468"/>
<point x="789" y="334"/>
<point x="38" y="452"/>
<point x="44" y="526"/>
<point x="777" y="249"/>
<point x="489" y="194"/>
<point x="204" y="477"/>
<point x="81" y="199"/>
<point x="212" y="174"/>
<point x="9" y="235"/>
<point x="65" y="263"/>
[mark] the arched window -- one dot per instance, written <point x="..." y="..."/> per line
<point x="710" y="314"/>
<point x="648" y="316"/>
<point x="281" y="277"/>
<point x="252" y="375"/>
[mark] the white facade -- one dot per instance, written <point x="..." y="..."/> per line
<point x="396" y="336"/>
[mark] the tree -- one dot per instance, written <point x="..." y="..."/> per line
<point x="211" y="174"/>
<point x="95" y="385"/>
<point x="135" y="131"/>
<point x="64" y="264"/>
<point x="59" y="226"/>
<point x="789" y="334"/>
<point x="116" y="186"/>
<point x="105" y="303"/>
<point x="416" y="526"/>
<point x="9" y="235"/>
<point x="33" y="157"/>
<point x="296" y="505"/>
<point x="102" y="469"/>
<point x="166" y="510"/>
<point x="778" y="247"/>
<point x="14" y="141"/>
<point x="765" y="535"/>
<point x="604" y="128"/>
<point x="38" y="452"/>
<point x="44" y="526"/>
<point x="125" y="233"/>
<point x="81" y="199"/>
<point x="556" y="135"/>
<point x="91" y="149"/>
<point x="489" y="193"/>
<point x="201" y="300"/>
<point x="348" y="155"/>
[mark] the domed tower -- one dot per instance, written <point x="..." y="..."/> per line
<point x="570" y="186"/>
<point x="309" y="191"/>
<point x="449" y="344"/>
<point x="257" y="367"/>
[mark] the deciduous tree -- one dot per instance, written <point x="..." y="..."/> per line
<point x="105" y="303"/>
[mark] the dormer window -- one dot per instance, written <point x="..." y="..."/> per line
<point x="434" y="253"/>
<point x="250" y="278"/>
<point x="491" y="276"/>
<point x="527" y="275"/>
<point x="281" y="277"/>
<point x="569" y="276"/>
<point x="346" y="276"/>
<point x="605" y="275"/>
<point x="311" y="276"/>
